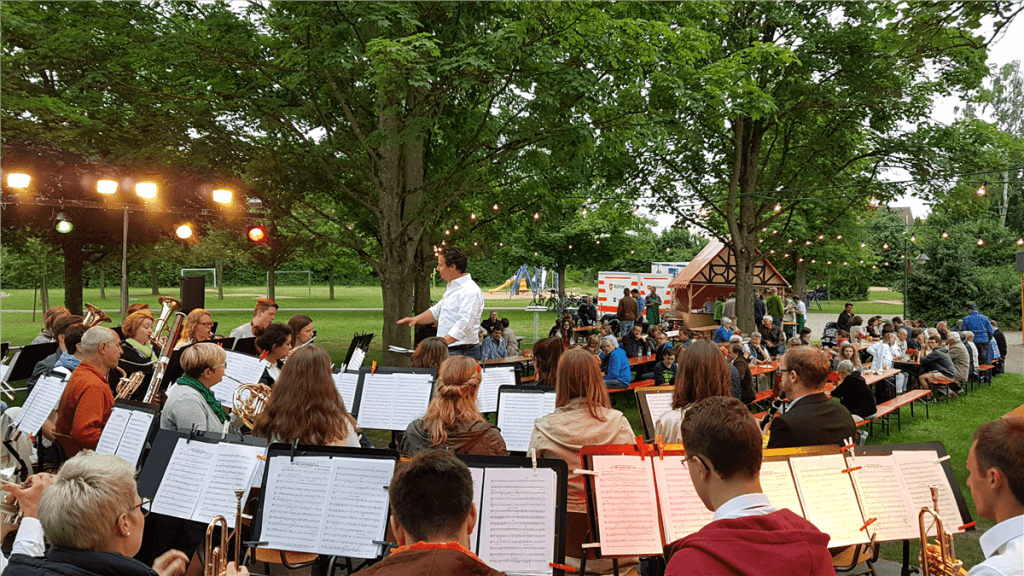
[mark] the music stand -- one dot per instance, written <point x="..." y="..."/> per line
<point x="26" y="359"/>
<point x="246" y="346"/>
<point x="643" y="402"/>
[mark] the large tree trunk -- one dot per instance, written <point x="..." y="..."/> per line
<point x="154" y="279"/>
<point x="424" y="266"/>
<point x="271" y="285"/>
<point x="742" y="218"/>
<point x="103" y="284"/>
<point x="561" y="282"/>
<point x="220" y="279"/>
<point x="73" y="275"/>
<point x="800" y="279"/>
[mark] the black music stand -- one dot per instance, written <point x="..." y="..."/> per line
<point x="26" y="359"/>
<point x="519" y="389"/>
<point x="5" y="347"/>
<point x="361" y="341"/>
<point x="246" y="346"/>
<point x="647" y="418"/>
<point x="136" y="406"/>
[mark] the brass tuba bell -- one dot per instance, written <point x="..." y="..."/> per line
<point x="937" y="559"/>
<point x="127" y="385"/>
<point x="94" y="316"/>
<point x="168" y="306"/>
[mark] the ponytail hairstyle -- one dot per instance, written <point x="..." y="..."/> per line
<point x="455" y="398"/>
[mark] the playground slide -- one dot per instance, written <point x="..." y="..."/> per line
<point x="522" y="286"/>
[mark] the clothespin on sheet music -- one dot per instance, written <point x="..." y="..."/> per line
<point x="869" y="523"/>
<point x="373" y="368"/>
<point x="849" y="445"/>
<point x="192" y="434"/>
<point x="852" y="469"/>
<point x="585" y="472"/>
<point x="941" y="460"/>
<point x="966" y="526"/>
<point x="562" y="567"/>
<point x="661" y="448"/>
<point x="640" y="447"/>
<point x="533" y="456"/>
<point x="295" y="445"/>
<point x="591" y="545"/>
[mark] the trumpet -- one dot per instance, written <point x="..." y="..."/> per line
<point x="127" y="385"/>
<point x="217" y="556"/>
<point x="94" y="316"/>
<point x="937" y="559"/>
<point x="10" y="512"/>
<point x="168" y="306"/>
<point x="248" y="402"/>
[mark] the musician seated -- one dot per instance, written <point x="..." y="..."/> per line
<point x="87" y="400"/>
<point x="430" y="353"/>
<point x="29" y="540"/>
<point x="262" y="316"/>
<point x="811" y="418"/>
<point x="995" y="467"/>
<point x="274" y="344"/>
<point x="747" y="534"/>
<point x="453" y="421"/>
<point x="494" y="345"/>
<point x="59" y="331"/>
<point x="302" y="330"/>
<point x="305" y="404"/>
<point x="198" y="327"/>
<point x="546" y="353"/>
<point x="94" y="517"/>
<point x="432" y="515"/>
<point x="52" y="314"/>
<point x="139" y="352"/>
<point x="190" y="401"/>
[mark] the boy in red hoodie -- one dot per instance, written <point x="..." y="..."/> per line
<point x="748" y="534"/>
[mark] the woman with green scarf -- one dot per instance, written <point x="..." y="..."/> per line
<point x="190" y="401"/>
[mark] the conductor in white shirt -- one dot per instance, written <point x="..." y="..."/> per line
<point x="995" y="467"/>
<point x="458" y="313"/>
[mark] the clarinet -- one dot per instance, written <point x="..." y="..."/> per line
<point x="776" y="405"/>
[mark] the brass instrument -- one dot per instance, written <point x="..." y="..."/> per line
<point x="168" y="306"/>
<point x="165" y="355"/>
<point x="94" y="316"/>
<point x="937" y="559"/>
<point x="127" y="385"/>
<point x="248" y="402"/>
<point x="10" y="512"/>
<point x="216" y="558"/>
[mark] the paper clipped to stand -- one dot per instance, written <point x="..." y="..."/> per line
<point x="627" y="506"/>
<point x="393" y="401"/>
<point x="828" y="498"/>
<point x="491" y="379"/>
<point x="518" y="412"/>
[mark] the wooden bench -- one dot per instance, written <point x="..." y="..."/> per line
<point x="985" y="372"/>
<point x="762" y="396"/>
<point x="945" y="383"/>
<point x="885" y="409"/>
<point x="633" y="386"/>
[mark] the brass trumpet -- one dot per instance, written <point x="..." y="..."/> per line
<point x="217" y="556"/>
<point x="248" y="402"/>
<point x="94" y="316"/>
<point x="127" y="385"/>
<point x="937" y="559"/>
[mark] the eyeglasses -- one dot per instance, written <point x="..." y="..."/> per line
<point x="686" y="466"/>
<point x="145" y="505"/>
<point x="784" y="370"/>
<point x="208" y="324"/>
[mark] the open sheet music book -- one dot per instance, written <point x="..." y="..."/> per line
<point x="3" y="372"/>
<point x="640" y="505"/>
<point x="391" y="398"/>
<point x="518" y="407"/>
<point x="520" y="513"/>
<point x="241" y="369"/>
<point x="40" y="403"/>
<point x="326" y="500"/>
<point x="126" y="431"/>
<point x="491" y="379"/>
<point x="653" y="401"/>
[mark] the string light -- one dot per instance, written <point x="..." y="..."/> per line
<point x="829" y="263"/>
<point x="913" y="238"/>
<point x="945" y="235"/>
<point x="668" y="249"/>
<point x="981" y="242"/>
<point x="821" y="236"/>
<point x="778" y="207"/>
<point x="632" y="251"/>
<point x="861" y="261"/>
<point x="771" y="251"/>
<point x="800" y="260"/>
<point x="873" y="202"/>
<point x="775" y="231"/>
<point x="808" y="243"/>
<point x="885" y="246"/>
<point x="501" y="244"/>
<point x="495" y="207"/>
<point x="760" y="240"/>
<point x="790" y="241"/>
<point x="786" y="255"/>
<point x="814" y="261"/>
<point x="863" y="245"/>
<point x="570" y="246"/>
<point x="703" y="212"/>
<point x="447" y="232"/>
<point x="456" y="227"/>
<point x="472" y="216"/>
<point x="536" y="215"/>
<point x="1020" y="241"/>
<point x="873" y="267"/>
<point x="598" y="241"/>
<point x="983" y="189"/>
<point x="475" y="244"/>
<point x="846" y="263"/>
<point x="839" y="237"/>
<point x="584" y="212"/>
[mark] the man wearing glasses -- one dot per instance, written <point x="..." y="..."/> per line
<point x="811" y="418"/>
<point x="723" y="458"/>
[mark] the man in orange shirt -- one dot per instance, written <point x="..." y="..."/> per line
<point x="86" y="403"/>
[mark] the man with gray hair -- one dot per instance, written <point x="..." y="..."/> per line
<point x="960" y="356"/>
<point x="754" y="350"/>
<point x="87" y="401"/>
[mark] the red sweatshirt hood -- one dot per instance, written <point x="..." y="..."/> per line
<point x="753" y="546"/>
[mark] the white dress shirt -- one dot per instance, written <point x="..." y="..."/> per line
<point x="755" y="504"/>
<point x="458" y="313"/>
<point x="29" y="541"/>
<point x="1003" y="546"/>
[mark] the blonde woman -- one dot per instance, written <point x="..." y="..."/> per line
<point x="198" y="328"/>
<point x="453" y="422"/>
<point x="190" y="401"/>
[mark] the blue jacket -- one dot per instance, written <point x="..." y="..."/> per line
<point x="722" y="335"/>
<point x="618" y="366"/>
<point x="980" y="325"/>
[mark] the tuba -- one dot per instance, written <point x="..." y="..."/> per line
<point x="248" y="402"/>
<point x="128" y="384"/>
<point x="937" y="559"/>
<point x="168" y="306"/>
<point x="94" y="316"/>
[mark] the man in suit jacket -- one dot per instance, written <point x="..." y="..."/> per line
<point x="811" y="418"/>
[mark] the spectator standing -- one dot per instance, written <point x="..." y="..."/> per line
<point x="511" y="341"/>
<point x="845" y="318"/>
<point x="729" y="307"/>
<point x="653" y="305"/>
<point x="719" y="309"/>
<point x="759" y="310"/>
<point x="491" y="322"/>
<point x="1000" y="340"/>
<point x="641" y="305"/>
<point x="982" y="328"/>
<point x="774" y="308"/>
<point x="626" y="312"/>
<point x="800" y="309"/>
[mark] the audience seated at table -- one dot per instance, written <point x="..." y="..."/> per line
<point x="774" y="339"/>
<point x="665" y="371"/>
<point x="453" y="421"/>
<point x="511" y="340"/>
<point x="846" y="352"/>
<point x="742" y="379"/>
<point x="703" y="373"/>
<point x="967" y="337"/>
<point x="936" y="364"/>
<point x="494" y="345"/>
<point x="617" y="373"/>
<point x="811" y="418"/>
<point x="854" y="393"/>
<point x="724" y="332"/>
<point x="882" y="352"/>
<point x="593" y="344"/>
<point x="636" y="344"/>
<point x="959" y="355"/>
<point x="748" y="535"/>
<point x="754" y="351"/>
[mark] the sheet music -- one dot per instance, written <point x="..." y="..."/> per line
<point x="518" y="411"/>
<point x="392" y="401"/>
<point x="627" y="508"/>
<point x="40" y="403"/>
<point x="517" y="534"/>
<point x="657" y="404"/>
<point x="125" y="434"/>
<point x="327" y="505"/>
<point x="346" y="383"/>
<point x="778" y="484"/>
<point x="491" y="378"/>
<point x="478" y="493"/>
<point x="920" y="471"/>
<point x="828" y="498"/>
<point x="233" y="467"/>
<point x="884" y="495"/>
<point x="113" y="430"/>
<point x="682" y="511"/>
<point x="356" y="362"/>
<point x="241" y="369"/>
<point x="178" y="491"/>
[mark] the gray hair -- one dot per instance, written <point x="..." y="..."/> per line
<point x="736" y="338"/>
<point x="933" y="332"/>
<point x="953" y="337"/>
<point x="87" y="496"/>
<point x="794" y="342"/>
<point x="967" y="336"/>
<point x="95" y="336"/>
<point x="768" y="319"/>
<point x="755" y="335"/>
<point x="198" y="357"/>
<point x="726" y="321"/>
<point x="845" y="367"/>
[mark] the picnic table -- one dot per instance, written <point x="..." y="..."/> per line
<point x="703" y="331"/>
<point x="507" y="360"/>
<point x="1018" y="411"/>
<point x="764" y="368"/>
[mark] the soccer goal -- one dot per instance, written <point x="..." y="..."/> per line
<point x="309" y="278"/>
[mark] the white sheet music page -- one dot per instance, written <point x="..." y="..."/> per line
<point x="884" y="496"/>
<point x="392" y="401"/>
<point x="779" y="486"/>
<point x="478" y="492"/>
<point x="294" y="510"/>
<point x="357" y="508"/>
<point x="828" y="498"/>
<point x="517" y="414"/>
<point x="44" y="399"/>
<point x="135" y="434"/>
<point x="920" y="471"/>
<point x="346" y="383"/>
<point x="517" y="534"/>
<point x="181" y="485"/>
<point x="110" y="439"/>
<point x="232" y="467"/>
<point x="356" y="362"/>
<point x="627" y="508"/>
<point x="3" y="372"/>
<point x="682" y="511"/>
<point x="241" y="369"/>
<point x="658" y="403"/>
<point x="491" y="377"/>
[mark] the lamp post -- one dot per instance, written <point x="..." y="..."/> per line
<point x="921" y="259"/>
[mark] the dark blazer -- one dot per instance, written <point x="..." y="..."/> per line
<point x="855" y="394"/>
<point x="815" y="420"/>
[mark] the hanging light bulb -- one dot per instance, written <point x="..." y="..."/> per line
<point x="444" y="243"/>
<point x="760" y="240"/>
<point x="902" y="256"/>
<point x="534" y="253"/>
<point x="821" y="236"/>
<point x="846" y="263"/>
<point x="829" y="263"/>
<point x="584" y="212"/>
<point x="495" y="207"/>
<point x="668" y="249"/>
<point x="447" y="232"/>
<point x="632" y="251"/>
<point x="703" y="212"/>
<point x="913" y="238"/>
<point x="765" y="229"/>
<point x="472" y="216"/>
<point x="808" y="243"/>
<point x="775" y="231"/>
<point x="873" y="267"/>
<point x="456" y="227"/>
<point x="598" y="241"/>
<point x="800" y="260"/>
<point x="983" y="189"/>
<point x="885" y="246"/>
<point x="1020" y="241"/>
<point x="945" y="235"/>
<point x="790" y="241"/>
<point x="981" y="242"/>
<point x="771" y="251"/>
<point x="501" y="244"/>
<point x="814" y="261"/>
<point x="861" y="261"/>
<point x="778" y="207"/>
<point x="863" y="245"/>
<point x="873" y="202"/>
<point x="786" y="255"/>
<point x="885" y="264"/>
<point x="839" y="237"/>
<point x="570" y="246"/>
<point x="536" y="215"/>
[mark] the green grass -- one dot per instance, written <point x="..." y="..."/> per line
<point x="885" y="295"/>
